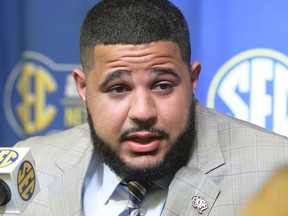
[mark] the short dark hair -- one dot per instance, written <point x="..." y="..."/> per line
<point x="133" y="22"/>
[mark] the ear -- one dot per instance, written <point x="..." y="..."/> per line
<point x="80" y="81"/>
<point x="195" y="69"/>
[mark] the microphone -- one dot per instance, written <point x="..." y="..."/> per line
<point x="18" y="181"/>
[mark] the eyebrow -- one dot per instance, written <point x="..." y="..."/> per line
<point x="164" y="71"/>
<point x="115" y="75"/>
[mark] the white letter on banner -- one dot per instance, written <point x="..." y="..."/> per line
<point x="280" y="124"/>
<point x="260" y="102"/>
<point x="236" y="80"/>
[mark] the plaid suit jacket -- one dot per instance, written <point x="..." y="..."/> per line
<point x="231" y="161"/>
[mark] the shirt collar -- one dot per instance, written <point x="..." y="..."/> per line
<point x="110" y="183"/>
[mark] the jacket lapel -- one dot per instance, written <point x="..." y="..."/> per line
<point x="192" y="191"/>
<point x="188" y="184"/>
<point x="66" y="191"/>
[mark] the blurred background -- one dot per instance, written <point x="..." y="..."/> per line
<point x="241" y="44"/>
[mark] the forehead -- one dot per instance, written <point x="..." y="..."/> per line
<point x="155" y="50"/>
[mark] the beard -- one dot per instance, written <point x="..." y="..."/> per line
<point x="176" y="157"/>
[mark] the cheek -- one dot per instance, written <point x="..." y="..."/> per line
<point x="174" y="115"/>
<point x="108" y="117"/>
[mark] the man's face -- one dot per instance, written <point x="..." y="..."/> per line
<point x="139" y="99"/>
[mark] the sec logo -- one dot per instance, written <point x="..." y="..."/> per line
<point x="7" y="157"/>
<point x="34" y="104"/>
<point x="253" y="86"/>
<point x="26" y="180"/>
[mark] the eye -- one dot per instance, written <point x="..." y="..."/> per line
<point x="163" y="87"/>
<point x="118" y="90"/>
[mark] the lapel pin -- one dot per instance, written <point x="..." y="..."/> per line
<point x="199" y="203"/>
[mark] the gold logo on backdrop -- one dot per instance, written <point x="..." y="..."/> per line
<point x="33" y="86"/>
<point x="33" y="103"/>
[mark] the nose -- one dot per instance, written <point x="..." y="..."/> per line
<point x="142" y="109"/>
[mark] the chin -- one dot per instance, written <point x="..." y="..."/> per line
<point x="143" y="161"/>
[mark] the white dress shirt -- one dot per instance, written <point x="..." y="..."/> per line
<point x="104" y="196"/>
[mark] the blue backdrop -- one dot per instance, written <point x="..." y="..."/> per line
<point x="241" y="45"/>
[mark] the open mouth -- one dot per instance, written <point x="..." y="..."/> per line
<point x="143" y="142"/>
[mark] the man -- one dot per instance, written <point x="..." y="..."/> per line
<point x="145" y="126"/>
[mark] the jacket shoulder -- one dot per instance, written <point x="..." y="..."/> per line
<point x="62" y="139"/>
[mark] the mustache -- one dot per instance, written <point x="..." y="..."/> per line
<point x="127" y="132"/>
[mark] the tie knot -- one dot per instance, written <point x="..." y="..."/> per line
<point x="137" y="191"/>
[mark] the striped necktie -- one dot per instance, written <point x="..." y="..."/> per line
<point x="137" y="191"/>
